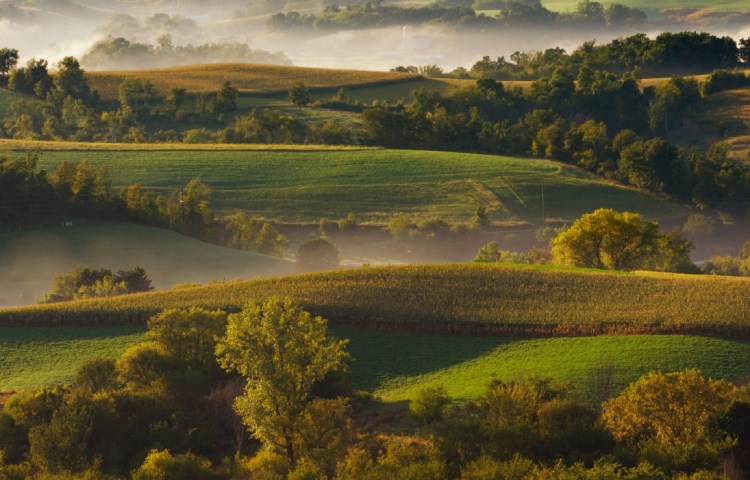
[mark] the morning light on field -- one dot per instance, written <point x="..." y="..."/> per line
<point x="374" y="239"/>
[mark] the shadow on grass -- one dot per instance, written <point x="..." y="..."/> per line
<point x="378" y="355"/>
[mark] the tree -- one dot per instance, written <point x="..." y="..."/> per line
<point x="673" y="408"/>
<point x="488" y="253"/>
<point x="175" y="99"/>
<point x="608" y="239"/>
<point x="318" y="254"/>
<point x="8" y="61"/>
<point x="71" y="80"/>
<point x="161" y="465"/>
<point x="282" y="351"/>
<point x="225" y="101"/>
<point x="299" y="95"/>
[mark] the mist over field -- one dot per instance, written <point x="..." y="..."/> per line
<point x="52" y="30"/>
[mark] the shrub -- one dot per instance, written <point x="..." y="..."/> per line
<point x="430" y="404"/>
<point x="162" y="465"/>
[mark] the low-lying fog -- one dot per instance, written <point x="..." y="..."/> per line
<point x="53" y="32"/>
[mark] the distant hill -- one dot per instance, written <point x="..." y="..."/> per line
<point x="247" y="78"/>
<point x="31" y="259"/>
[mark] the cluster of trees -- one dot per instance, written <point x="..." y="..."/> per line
<point x="728" y="264"/>
<point x="120" y="53"/>
<point x="665" y="55"/>
<point x="84" y="282"/>
<point x="263" y="393"/>
<point x="29" y="195"/>
<point x="459" y="13"/>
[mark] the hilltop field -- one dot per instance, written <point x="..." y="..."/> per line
<point x="247" y="78"/>
<point x="407" y="303"/>
<point x="305" y="184"/>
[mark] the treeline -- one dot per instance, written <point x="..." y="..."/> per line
<point x="29" y="195"/>
<point x="118" y="53"/>
<point x="205" y="397"/>
<point x="459" y="13"/>
<point x="665" y="55"/>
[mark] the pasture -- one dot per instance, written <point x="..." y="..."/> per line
<point x="31" y="259"/>
<point x="462" y="299"/>
<point x="396" y="365"/>
<point x="248" y="78"/>
<point x="305" y="184"/>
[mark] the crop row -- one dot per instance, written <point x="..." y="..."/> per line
<point x="457" y="299"/>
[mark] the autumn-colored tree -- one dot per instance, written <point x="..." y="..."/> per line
<point x="612" y="240"/>
<point x="674" y="409"/>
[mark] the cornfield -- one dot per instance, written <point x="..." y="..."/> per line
<point x="456" y="299"/>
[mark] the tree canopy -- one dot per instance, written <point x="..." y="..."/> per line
<point x="611" y="240"/>
<point x="282" y="351"/>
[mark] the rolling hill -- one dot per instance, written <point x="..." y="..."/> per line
<point x="31" y="259"/>
<point x="305" y="184"/>
<point x="248" y="78"/>
<point x="462" y="299"/>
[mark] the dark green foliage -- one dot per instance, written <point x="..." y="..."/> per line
<point x="8" y="61"/>
<point x="720" y="80"/>
<point x="299" y="95"/>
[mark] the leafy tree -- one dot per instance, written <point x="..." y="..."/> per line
<point x="176" y="98"/>
<point x="225" y="101"/>
<point x="282" y="351"/>
<point x="673" y="408"/>
<point x="71" y="80"/>
<point x="488" y="253"/>
<point x="135" y="280"/>
<point x="8" y="61"/>
<point x="318" y="254"/>
<point x="299" y="95"/>
<point x="608" y="239"/>
<point x="188" y="335"/>
<point x="96" y="375"/>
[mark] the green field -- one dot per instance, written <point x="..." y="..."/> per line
<point x="396" y="365"/>
<point x="35" y="357"/>
<point x="307" y="185"/>
<point x="458" y="299"/>
<point x="31" y="259"/>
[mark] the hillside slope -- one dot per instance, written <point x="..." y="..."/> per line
<point x="457" y="299"/>
<point x="31" y="259"/>
<point x="308" y="183"/>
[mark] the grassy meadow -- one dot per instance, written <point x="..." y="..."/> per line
<point x="461" y="299"/>
<point x="31" y="259"/>
<point x="395" y="365"/>
<point x="305" y="184"/>
<point x="248" y="78"/>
